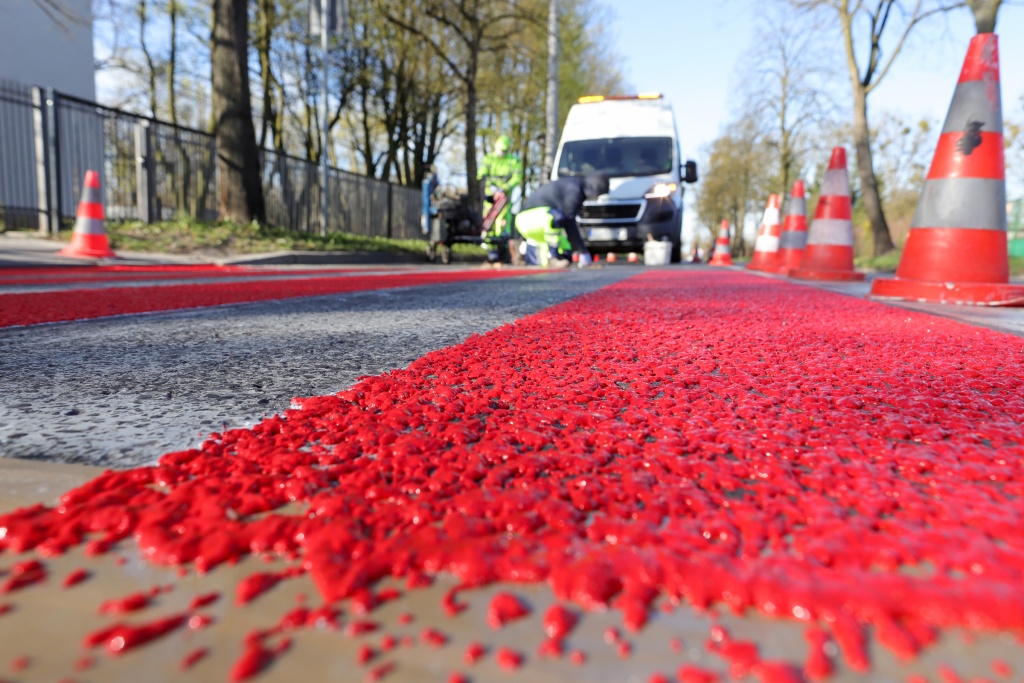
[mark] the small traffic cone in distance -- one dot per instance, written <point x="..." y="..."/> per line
<point x="633" y="257"/>
<point x="89" y="237"/>
<point x="722" y="255"/>
<point x="956" y="251"/>
<point x="794" y="230"/>
<point x="766" y="248"/>
<point x="611" y="258"/>
<point x="829" y="251"/>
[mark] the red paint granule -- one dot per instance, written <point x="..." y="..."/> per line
<point x="22" y="574"/>
<point x="192" y="658"/>
<point x="85" y="663"/>
<point x="578" y="658"/>
<point x="21" y="663"/>
<point x="818" y="665"/>
<point x="203" y="600"/>
<point x="504" y="608"/>
<point x="508" y="659"/>
<point x="388" y="643"/>
<point x="365" y="654"/>
<point x="433" y="637"/>
<point x="676" y="645"/>
<point x="130" y="603"/>
<point x="380" y="672"/>
<point x="121" y="637"/>
<point x="550" y="647"/>
<point x="741" y="655"/>
<point x="1001" y="668"/>
<point x="624" y="650"/>
<point x="457" y="678"/>
<point x="612" y="635"/>
<point x="405" y="618"/>
<point x="777" y="672"/>
<point x="358" y="628"/>
<point x="948" y="675"/>
<point x="251" y="587"/>
<point x="658" y="678"/>
<point x="254" y="659"/>
<point x="559" y="621"/>
<point x="5" y="608"/>
<point x="474" y="652"/>
<point x="852" y="641"/>
<point x="689" y="673"/>
<point x="451" y="607"/>
<point x="75" y="577"/>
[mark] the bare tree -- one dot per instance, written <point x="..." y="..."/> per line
<point x="469" y="29"/>
<point x="239" y="189"/>
<point x="785" y="91"/>
<point x="866" y="24"/>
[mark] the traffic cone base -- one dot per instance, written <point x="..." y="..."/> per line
<point x="85" y="245"/>
<point x="962" y="293"/>
<point x="833" y="262"/>
<point x="722" y="256"/>
<point x="956" y="250"/>
<point x="721" y="260"/>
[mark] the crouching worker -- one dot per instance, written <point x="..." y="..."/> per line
<point x="547" y="221"/>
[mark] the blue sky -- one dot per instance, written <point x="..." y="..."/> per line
<point x="689" y="50"/>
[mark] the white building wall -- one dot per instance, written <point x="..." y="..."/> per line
<point x="35" y="50"/>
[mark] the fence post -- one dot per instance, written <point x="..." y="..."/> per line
<point x="145" y="175"/>
<point x="47" y="144"/>
<point x="40" y="147"/>
<point x="390" y="197"/>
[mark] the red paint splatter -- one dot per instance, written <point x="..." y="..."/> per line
<point x="818" y="666"/>
<point x="192" y="658"/>
<point x="550" y="647"/>
<point x="365" y="654"/>
<point x="85" y="663"/>
<point x="505" y="607"/>
<point x="5" y="608"/>
<point x="777" y="672"/>
<point x="559" y="621"/>
<point x="405" y="618"/>
<point x="199" y="621"/>
<point x="358" y="628"/>
<point x="474" y="652"/>
<point x="75" y="577"/>
<point x="380" y="672"/>
<point x="130" y="603"/>
<point x="252" y="587"/>
<point x="254" y="660"/>
<point x="1001" y="668"/>
<point x="578" y="658"/>
<point x="204" y="600"/>
<point x="457" y="678"/>
<point x="21" y="663"/>
<point x="433" y="637"/>
<point x="676" y="645"/>
<point x="120" y="637"/>
<point x="508" y="659"/>
<point x="689" y="673"/>
<point x="22" y="574"/>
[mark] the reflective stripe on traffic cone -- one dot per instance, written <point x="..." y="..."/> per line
<point x="956" y="251"/>
<point x="89" y="237"/>
<point x="794" y="230"/>
<point x="722" y="255"/>
<point x="766" y="248"/>
<point x="829" y="251"/>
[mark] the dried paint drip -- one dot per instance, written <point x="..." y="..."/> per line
<point x="714" y="440"/>
<point x="504" y="608"/>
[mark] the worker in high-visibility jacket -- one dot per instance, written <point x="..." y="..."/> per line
<point x="547" y="222"/>
<point x="501" y="171"/>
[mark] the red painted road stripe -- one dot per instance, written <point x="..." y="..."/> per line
<point x="32" y="308"/>
<point x="90" y="275"/>
<point x="710" y="438"/>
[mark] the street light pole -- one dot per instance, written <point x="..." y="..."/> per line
<point x="325" y="126"/>
<point x="551" y="110"/>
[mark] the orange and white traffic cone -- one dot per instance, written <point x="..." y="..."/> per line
<point x="794" y="230"/>
<point x="633" y="257"/>
<point x="611" y="258"/>
<point x="722" y="255"/>
<point x="89" y="237"/>
<point x="766" y="248"/>
<point x="956" y="251"/>
<point x="829" y="251"/>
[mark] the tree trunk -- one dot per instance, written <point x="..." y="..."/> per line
<point x="984" y="14"/>
<point x="239" y="188"/>
<point x="866" y="172"/>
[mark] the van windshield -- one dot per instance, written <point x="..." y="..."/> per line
<point x="616" y="156"/>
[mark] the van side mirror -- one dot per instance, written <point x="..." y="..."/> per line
<point x="690" y="172"/>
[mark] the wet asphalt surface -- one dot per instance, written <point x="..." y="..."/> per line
<point x="119" y="392"/>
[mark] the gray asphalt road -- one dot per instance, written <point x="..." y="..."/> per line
<point x="120" y="392"/>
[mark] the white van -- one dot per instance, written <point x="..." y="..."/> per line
<point x="633" y="140"/>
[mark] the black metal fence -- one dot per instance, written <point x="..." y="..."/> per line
<point x="152" y="170"/>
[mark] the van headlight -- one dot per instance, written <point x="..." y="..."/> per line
<point x="660" y="191"/>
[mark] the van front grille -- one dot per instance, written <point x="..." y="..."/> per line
<point x="627" y="211"/>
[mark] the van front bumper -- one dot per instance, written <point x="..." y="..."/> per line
<point x="661" y="219"/>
